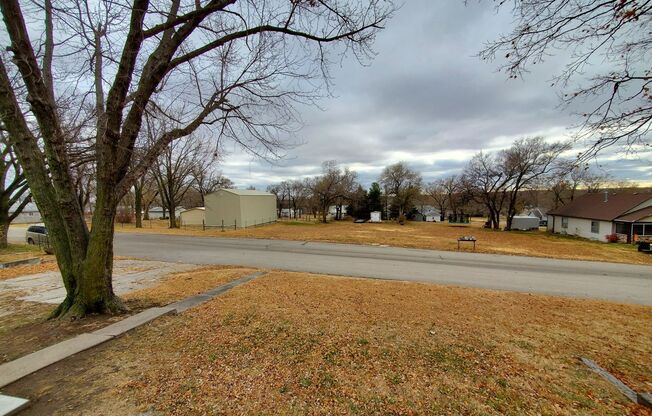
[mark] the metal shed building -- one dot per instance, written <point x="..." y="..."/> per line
<point x="192" y="216"/>
<point x="236" y="208"/>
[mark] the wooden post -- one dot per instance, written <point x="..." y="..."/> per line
<point x="235" y="224"/>
<point x="203" y="225"/>
<point x="222" y="224"/>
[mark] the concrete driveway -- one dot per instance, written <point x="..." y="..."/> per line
<point x="609" y="281"/>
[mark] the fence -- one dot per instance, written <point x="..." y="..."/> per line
<point x="228" y="225"/>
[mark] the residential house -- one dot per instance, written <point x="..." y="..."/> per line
<point x="597" y="215"/>
<point x="426" y="213"/>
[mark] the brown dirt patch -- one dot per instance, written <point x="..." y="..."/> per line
<point x="290" y="343"/>
<point x="434" y="236"/>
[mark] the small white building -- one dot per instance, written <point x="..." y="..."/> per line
<point x="427" y="213"/>
<point x="597" y="215"/>
<point x="375" y="216"/>
<point x="156" y="213"/>
<point x="525" y="223"/>
<point x="192" y="216"/>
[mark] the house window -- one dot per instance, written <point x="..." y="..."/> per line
<point x="564" y="222"/>
<point x="595" y="227"/>
<point x="622" y="228"/>
<point x="638" y="229"/>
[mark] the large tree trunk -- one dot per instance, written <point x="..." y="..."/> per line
<point x="89" y="273"/>
<point x="138" y="205"/>
<point x="173" y="218"/>
<point x="4" y="230"/>
<point x="4" y="221"/>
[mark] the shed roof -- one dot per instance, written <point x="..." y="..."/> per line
<point x="636" y="215"/>
<point x="593" y="205"/>
<point x="245" y="192"/>
<point x="195" y="208"/>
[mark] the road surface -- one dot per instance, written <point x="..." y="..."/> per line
<point x="609" y="281"/>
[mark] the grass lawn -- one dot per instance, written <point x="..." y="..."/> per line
<point x="292" y="343"/>
<point x="435" y="236"/>
<point x="15" y="252"/>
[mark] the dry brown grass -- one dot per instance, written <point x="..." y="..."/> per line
<point x="435" y="236"/>
<point x="291" y="343"/>
<point x="181" y="285"/>
<point x="48" y="264"/>
<point x="15" y="252"/>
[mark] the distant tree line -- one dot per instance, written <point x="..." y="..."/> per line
<point x="532" y="172"/>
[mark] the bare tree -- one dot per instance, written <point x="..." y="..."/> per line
<point x="487" y="182"/>
<point x="14" y="192"/>
<point x="332" y="186"/>
<point x="83" y="175"/>
<point x="402" y="183"/>
<point x="173" y="173"/>
<point x="443" y="192"/>
<point x="298" y="192"/>
<point x="569" y="176"/>
<point x="236" y="66"/>
<point x="615" y="34"/>
<point x="145" y="192"/>
<point x="207" y="180"/>
<point x="527" y="162"/>
<point x="279" y="192"/>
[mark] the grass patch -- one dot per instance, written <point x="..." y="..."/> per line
<point x="15" y="252"/>
<point x="292" y="343"/>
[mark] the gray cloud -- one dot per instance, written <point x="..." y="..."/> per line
<point x="425" y="99"/>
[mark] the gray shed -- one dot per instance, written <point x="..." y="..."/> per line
<point x="236" y="208"/>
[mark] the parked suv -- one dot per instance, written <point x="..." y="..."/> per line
<point x="38" y="235"/>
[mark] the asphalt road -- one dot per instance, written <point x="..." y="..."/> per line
<point x="617" y="282"/>
<point x="610" y="281"/>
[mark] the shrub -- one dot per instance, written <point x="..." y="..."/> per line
<point x="612" y="238"/>
<point x="123" y="216"/>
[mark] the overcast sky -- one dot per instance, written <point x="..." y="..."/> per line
<point x="426" y="99"/>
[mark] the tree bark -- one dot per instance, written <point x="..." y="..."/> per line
<point x="138" y="204"/>
<point x="173" y="219"/>
<point x="4" y="229"/>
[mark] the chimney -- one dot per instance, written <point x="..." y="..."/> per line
<point x="606" y="196"/>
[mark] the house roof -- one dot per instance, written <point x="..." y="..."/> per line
<point x="30" y="207"/>
<point x="593" y="205"/>
<point x="636" y="215"/>
<point x="244" y="192"/>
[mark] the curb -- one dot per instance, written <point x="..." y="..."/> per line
<point x="22" y="262"/>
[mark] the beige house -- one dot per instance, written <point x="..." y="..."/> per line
<point x="237" y="208"/>
<point x="192" y="216"/>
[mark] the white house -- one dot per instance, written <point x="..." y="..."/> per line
<point x="29" y="215"/>
<point x="597" y="215"/>
<point x="427" y="213"/>
<point x="156" y="213"/>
